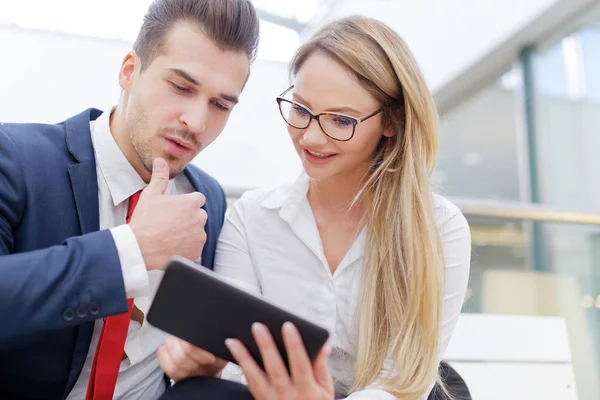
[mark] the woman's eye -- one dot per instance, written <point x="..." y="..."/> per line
<point x="343" y="121"/>
<point x="301" y="110"/>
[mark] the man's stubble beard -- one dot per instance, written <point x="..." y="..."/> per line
<point x="142" y="145"/>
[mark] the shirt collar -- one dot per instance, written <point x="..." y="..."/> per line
<point x="120" y="176"/>
<point x="294" y="208"/>
<point x="288" y="196"/>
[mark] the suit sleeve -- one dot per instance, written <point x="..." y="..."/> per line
<point x="58" y="287"/>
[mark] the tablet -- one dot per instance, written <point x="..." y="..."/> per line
<point x="194" y="304"/>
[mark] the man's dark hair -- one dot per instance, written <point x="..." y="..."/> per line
<point x="231" y="24"/>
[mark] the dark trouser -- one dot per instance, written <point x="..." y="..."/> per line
<point x="454" y="383"/>
<point x="207" y="388"/>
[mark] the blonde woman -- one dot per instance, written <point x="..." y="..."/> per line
<point x="359" y="244"/>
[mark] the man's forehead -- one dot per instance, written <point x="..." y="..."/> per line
<point x="190" y="50"/>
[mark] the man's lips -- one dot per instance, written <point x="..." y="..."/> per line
<point x="181" y="142"/>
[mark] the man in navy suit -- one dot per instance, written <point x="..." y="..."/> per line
<point x="80" y="249"/>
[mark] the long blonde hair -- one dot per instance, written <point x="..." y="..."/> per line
<point x="402" y="285"/>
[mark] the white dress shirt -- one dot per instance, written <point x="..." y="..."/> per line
<point x="270" y="245"/>
<point x="140" y="376"/>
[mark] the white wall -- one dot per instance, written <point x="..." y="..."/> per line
<point x="448" y="37"/>
<point x="47" y="77"/>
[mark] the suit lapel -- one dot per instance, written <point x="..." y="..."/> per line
<point x="85" y="189"/>
<point x="84" y="183"/>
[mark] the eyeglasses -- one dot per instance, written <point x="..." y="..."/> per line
<point x="337" y="126"/>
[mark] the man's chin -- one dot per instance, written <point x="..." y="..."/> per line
<point x="174" y="172"/>
<point x="175" y="167"/>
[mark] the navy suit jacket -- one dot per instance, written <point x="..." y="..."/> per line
<point x="58" y="271"/>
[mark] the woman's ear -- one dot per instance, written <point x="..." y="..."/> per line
<point x="396" y="125"/>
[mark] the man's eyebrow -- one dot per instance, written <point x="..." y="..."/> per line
<point x="184" y="75"/>
<point x="227" y="97"/>
<point x="230" y="98"/>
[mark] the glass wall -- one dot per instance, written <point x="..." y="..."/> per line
<point x="478" y="144"/>
<point x="566" y="112"/>
<point x="502" y="283"/>
<point x="566" y="115"/>
<point x="498" y="146"/>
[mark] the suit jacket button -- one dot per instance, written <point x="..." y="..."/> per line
<point x="94" y="308"/>
<point x="82" y="311"/>
<point x="68" y="314"/>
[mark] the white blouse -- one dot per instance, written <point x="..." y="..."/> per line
<point x="270" y="245"/>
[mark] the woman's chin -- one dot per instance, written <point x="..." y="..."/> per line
<point x="317" y="173"/>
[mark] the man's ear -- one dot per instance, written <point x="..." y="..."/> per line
<point x="129" y="67"/>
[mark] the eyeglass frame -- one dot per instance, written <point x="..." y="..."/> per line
<point x="312" y="115"/>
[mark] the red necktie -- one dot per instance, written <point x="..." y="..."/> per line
<point x="109" y="352"/>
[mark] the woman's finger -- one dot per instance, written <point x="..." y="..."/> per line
<point x="274" y="366"/>
<point x="321" y="369"/>
<point x="300" y="364"/>
<point x="258" y="382"/>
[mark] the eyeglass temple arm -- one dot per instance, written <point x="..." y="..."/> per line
<point x="285" y="91"/>
<point x="366" y="117"/>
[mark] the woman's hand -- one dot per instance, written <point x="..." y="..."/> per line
<point x="181" y="360"/>
<point x="306" y="381"/>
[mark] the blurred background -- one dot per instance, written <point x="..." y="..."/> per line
<point x="517" y="85"/>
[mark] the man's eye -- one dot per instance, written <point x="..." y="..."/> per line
<point x="179" y="88"/>
<point x="221" y="106"/>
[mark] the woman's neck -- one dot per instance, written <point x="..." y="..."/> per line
<point x="335" y="196"/>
